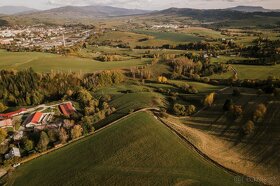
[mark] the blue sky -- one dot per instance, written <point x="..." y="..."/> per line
<point x="144" y="4"/>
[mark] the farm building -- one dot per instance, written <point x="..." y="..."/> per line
<point x="12" y="114"/>
<point x="67" y="109"/>
<point x="14" y="152"/>
<point x="6" y="123"/>
<point x="37" y="119"/>
<point x="34" y="119"/>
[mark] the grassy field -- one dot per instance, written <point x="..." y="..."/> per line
<point x="252" y="72"/>
<point x="204" y="32"/>
<point x="136" y="151"/>
<point x="258" y="153"/>
<point x="171" y="36"/>
<point x="224" y="59"/>
<point x="43" y="62"/>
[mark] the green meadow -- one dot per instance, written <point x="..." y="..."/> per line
<point x="136" y="151"/>
<point x="43" y="62"/>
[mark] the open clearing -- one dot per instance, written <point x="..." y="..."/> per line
<point x="43" y="62"/>
<point x="251" y="72"/>
<point x="136" y="151"/>
<point x="256" y="155"/>
<point x="171" y="36"/>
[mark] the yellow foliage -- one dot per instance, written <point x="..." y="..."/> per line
<point x="162" y="79"/>
<point x="209" y="99"/>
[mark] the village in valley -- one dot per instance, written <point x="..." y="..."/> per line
<point x="42" y="37"/>
<point x="32" y="119"/>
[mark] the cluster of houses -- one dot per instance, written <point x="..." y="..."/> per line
<point x="42" y="36"/>
<point x="33" y="120"/>
<point x="37" y="118"/>
<point x="169" y="26"/>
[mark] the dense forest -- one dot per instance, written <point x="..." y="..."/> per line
<point x="27" y="87"/>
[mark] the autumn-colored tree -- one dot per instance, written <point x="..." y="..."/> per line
<point x="162" y="79"/>
<point x="43" y="142"/>
<point x="63" y="136"/>
<point x="248" y="128"/>
<point x="69" y="92"/>
<point x="53" y="135"/>
<point x="227" y="105"/>
<point x="209" y="100"/>
<point x="190" y="109"/>
<point x="3" y="135"/>
<point x="28" y="144"/>
<point x="179" y="109"/>
<point x="76" y="131"/>
<point x="3" y="107"/>
<point x="236" y="111"/>
<point x="260" y="111"/>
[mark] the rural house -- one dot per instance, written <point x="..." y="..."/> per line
<point x="12" y="114"/>
<point x="14" y="152"/>
<point x="67" y="109"/>
<point x="6" y="123"/>
<point x="34" y="119"/>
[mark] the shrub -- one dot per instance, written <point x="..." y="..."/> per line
<point x="3" y="107"/>
<point x="179" y="109"/>
<point x="162" y="79"/>
<point x="76" y="131"/>
<point x="260" y="111"/>
<point x="190" y="109"/>
<point x="236" y="92"/>
<point x="236" y="111"/>
<point x="209" y="100"/>
<point x="248" y="128"/>
<point x="227" y="105"/>
<point x="43" y="142"/>
<point x="3" y="135"/>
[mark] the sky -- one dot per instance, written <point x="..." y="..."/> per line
<point x="144" y="4"/>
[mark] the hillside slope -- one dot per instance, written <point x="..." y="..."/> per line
<point x="10" y="10"/>
<point x="214" y="133"/>
<point x="136" y="151"/>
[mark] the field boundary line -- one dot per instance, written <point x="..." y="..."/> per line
<point x="205" y="156"/>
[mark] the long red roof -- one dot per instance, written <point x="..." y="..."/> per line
<point x="67" y="109"/>
<point x="36" y="117"/>
<point x="6" y="123"/>
<point x="11" y="114"/>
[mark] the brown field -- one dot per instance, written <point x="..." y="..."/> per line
<point x="256" y="155"/>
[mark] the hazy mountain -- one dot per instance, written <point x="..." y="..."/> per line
<point x="250" y="9"/>
<point x="11" y="10"/>
<point x="215" y="14"/>
<point x="78" y="12"/>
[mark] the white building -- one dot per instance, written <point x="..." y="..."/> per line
<point x="14" y="152"/>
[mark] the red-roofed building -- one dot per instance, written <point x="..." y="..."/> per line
<point x="6" y="123"/>
<point x="12" y="114"/>
<point x="67" y="109"/>
<point x="34" y="119"/>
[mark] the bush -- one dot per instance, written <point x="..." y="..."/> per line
<point x="236" y="111"/>
<point x="43" y="142"/>
<point x="190" y="109"/>
<point x="179" y="109"/>
<point x="236" y="92"/>
<point x="248" y="128"/>
<point x="227" y="105"/>
<point x="182" y="110"/>
<point x="209" y="100"/>
<point x="260" y="111"/>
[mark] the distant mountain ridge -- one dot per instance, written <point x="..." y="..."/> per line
<point x="251" y="9"/>
<point x="215" y="14"/>
<point x="73" y="12"/>
<point x="11" y="10"/>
